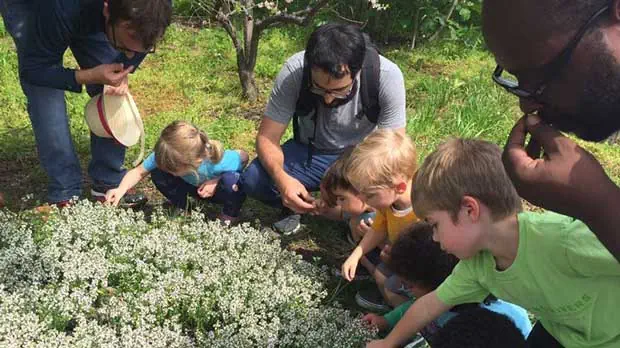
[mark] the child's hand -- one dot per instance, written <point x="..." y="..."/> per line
<point x="114" y="196"/>
<point x="365" y="226"/>
<point x="386" y="252"/>
<point x="207" y="188"/>
<point x="349" y="267"/>
<point x="377" y="321"/>
<point x="319" y="207"/>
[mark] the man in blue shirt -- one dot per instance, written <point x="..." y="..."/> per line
<point x="109" y="39"/>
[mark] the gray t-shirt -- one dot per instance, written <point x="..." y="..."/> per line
<point x="338" y="127"/>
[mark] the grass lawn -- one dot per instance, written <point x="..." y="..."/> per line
<point x="193" y="77"/>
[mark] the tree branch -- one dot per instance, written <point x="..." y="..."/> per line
<point x="445" y="22"/>
<point x="248" y="27"/>
<point x="223" y="16"/>
<point x="349" y="20"/>
<point x="301" y="17"/>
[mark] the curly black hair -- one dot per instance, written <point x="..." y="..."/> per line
<point x="416" y="258"/>
<point x="479" y="328"/>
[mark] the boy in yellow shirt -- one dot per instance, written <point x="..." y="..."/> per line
<point x="381" y="169"/>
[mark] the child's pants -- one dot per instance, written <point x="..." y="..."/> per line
<point x="226" y="193"/>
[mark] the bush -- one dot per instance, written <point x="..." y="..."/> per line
<point x="396" y="24"/>
<point x="91" y="275"/>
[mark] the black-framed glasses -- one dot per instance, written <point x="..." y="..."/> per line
<point x="125" y="49"/>
<point x="551" y="69"/>
<point x="341" y="93"/>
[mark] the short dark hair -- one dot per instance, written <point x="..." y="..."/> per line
<point x="418" y="259"/>
<point x="479" y="328"/>
<point x="149" y="18"/>
<point x="335" y="178"/>
<point x="332" y="46"/>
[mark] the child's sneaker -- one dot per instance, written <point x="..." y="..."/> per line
<point x="372" y="300"/>
<point x="47" y="207"/>
<point x="417" y="342"/>
<point x="228" y="220"/>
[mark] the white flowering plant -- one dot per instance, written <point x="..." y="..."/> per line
<point x="91" y="275"/>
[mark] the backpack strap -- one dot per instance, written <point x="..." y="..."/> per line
<point x="306" y="102"/>
<point x="369" y="84"/>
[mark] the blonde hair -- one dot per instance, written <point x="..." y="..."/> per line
<point x="381" y="156"/>
<point x="464" y="167"/>
<point x="181" y="146"/>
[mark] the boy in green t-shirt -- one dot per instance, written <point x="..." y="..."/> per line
<point x="552" y="265"/>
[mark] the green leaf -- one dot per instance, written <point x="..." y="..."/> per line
<point x="465" y="14"/>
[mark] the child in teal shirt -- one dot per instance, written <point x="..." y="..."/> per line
<point x="187" y="163"/>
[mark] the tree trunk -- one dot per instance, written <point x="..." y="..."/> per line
<point x="416" y="27"/>
<point x="248" y="84"/>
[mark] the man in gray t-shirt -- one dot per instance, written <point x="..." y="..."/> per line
<point x="282" y="175"/>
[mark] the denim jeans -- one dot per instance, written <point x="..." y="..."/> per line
<point x="257" y="183"/>
<point x="176" y="190"/>
<point x="48" y="112"/>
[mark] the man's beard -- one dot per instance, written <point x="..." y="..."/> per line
<point x="598" y="112"/>
<point x="337" y="102"/>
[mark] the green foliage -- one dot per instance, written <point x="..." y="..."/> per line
<point x="397" y="22"/>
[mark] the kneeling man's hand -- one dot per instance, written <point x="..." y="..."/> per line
<point x="295" y="196"/>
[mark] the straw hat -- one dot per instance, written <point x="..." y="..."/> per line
<point x="117" y="117"/>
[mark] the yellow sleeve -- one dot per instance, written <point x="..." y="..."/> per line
<point x="379" y="224"/>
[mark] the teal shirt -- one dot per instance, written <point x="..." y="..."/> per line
<point x="515" y="313"/>
<point x="562" y="274"/>
<point x="230" y="162"/>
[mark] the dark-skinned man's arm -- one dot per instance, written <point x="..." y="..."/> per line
<point x="566" y="179"/>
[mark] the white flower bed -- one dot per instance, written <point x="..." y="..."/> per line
<point x="93" y="276"/>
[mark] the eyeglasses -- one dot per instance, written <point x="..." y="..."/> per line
<point x="340" y="93"/>
<point x="552" y="69"/>
<point x="125" y="49"/>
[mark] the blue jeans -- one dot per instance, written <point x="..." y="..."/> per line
<point x="48" y="112"/>
<point x="257" y="183"/>
<point x="176" y="190"/>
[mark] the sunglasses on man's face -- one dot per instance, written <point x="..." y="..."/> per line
<point x="339" y="93"/>
<point x="125" y="49"/>
<point x="551" y="69"/>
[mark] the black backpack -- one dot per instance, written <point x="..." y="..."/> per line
<point x="369" y="92"/>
